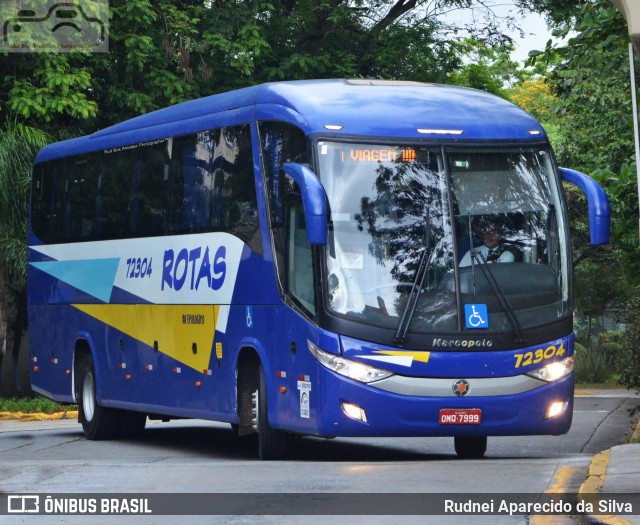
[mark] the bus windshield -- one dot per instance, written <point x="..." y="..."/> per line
<point x="417" y="232"/>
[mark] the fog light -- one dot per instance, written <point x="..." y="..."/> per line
<point x="557" y="408"/>
<point x="354" y="412"/>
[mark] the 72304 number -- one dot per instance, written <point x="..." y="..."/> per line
<point x="539" y="355"/>
<point x="138" y="268"/>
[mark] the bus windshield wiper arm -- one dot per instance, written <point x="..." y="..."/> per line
<point x="416" y="288"/>
<point x="412" y="300"/>
<point x="500" y="295"/>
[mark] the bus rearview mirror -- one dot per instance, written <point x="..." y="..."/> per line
<point x="599" y="214"/>
<point x="314" y="201"/>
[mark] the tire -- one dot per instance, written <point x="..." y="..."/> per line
<point x="272" y="443"/>
<point x="98" y="423"/>
<point x="471" y="447"/>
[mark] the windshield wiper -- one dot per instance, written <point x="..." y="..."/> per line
<point x="500" y="295"/>
<point x="416" y="288"/>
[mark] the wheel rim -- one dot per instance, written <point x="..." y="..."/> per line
<point x="88" y="399"/>
<point x="255" y="411"/>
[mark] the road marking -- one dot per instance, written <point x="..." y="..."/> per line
<point x="561" y="483"/>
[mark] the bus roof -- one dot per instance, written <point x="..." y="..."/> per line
<point x="377" y="108"/>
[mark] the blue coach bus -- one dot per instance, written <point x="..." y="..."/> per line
<point x="310" y="258"/>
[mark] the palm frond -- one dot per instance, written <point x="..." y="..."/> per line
<point x="18" y="147"/>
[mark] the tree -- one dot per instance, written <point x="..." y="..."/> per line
<point x="590" y="78"/>
<point x="535" y="95"/>
<point x="18" y="146"/>
<point x="163" y="52"/>
<point x="628" y="361"/>
<point x="486" y="67"/>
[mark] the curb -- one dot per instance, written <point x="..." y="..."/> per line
<point x="24" y="416"/>
<point x="595" y="478"/>
<point x="636" y="432"/>
<point x="596" y="475"/>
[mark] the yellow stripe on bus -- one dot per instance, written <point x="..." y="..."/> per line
<point x="417" y="355"/>
<point x="183" y="332"/>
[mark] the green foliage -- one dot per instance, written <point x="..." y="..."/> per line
<point x="612" y="336"/>
<point x="610" y="345"/>
<point x="34" y="405"/>
<point x="591" y="78"/>
<point x="610" y="350"/>
<point x="592" y="366"/>
<point x="163" y="52"/>
<point x="18" y="147"/>
<point x="622" y="190"/>
<point x="413" y="53"/>
<point x="597" y="269"/>
<point x="485" y="68"/>
<point x="55" y="88"/>
<point x="594" y="288"/>
<point x="627" y="362"/>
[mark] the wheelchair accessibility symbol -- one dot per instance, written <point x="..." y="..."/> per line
<point x="476" y="316"/>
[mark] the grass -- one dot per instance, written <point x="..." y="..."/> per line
<point x="32" y="405"/>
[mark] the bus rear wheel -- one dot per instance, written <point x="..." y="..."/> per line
<point x="272" y="443"/>
<point x="98" y="422"/>
<point x="471" y="447"/>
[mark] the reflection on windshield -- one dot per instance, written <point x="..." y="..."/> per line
<point x="381" y="200"/>
<point x="391" y="210"/>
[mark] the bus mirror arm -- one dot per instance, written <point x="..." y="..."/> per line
<point x="599" y="214"/>
<point x="314" y="201"/>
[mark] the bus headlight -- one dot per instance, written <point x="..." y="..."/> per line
<point x="347" y="367"/>
<point x="554" y="371"/>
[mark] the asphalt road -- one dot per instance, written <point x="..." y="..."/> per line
<point x="193" y="456"/>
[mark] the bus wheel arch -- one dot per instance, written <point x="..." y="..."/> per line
<point x="98" y="422"/>
<point x="247" y="382"/>
<point x="252" y="399"/>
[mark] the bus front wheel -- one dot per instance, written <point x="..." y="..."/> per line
<point x="272" y="443"/>
<point x="470" y="447"/>
<point x="98" y="422"/>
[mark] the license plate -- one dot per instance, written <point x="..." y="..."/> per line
<point x="460" y="416"/>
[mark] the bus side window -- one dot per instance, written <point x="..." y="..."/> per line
<point x="191" y="183"/>
<point x="46" y="204"/>
<point x="148" y="200"/>
<point x="114" y="192"/>
<point x="280" y="143"/>
<point x="299" y="257"/>
<point x="234" y="207"/>
<point x="81" y="185"/>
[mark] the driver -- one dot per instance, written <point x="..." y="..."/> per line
<point x="492" y="248"/>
